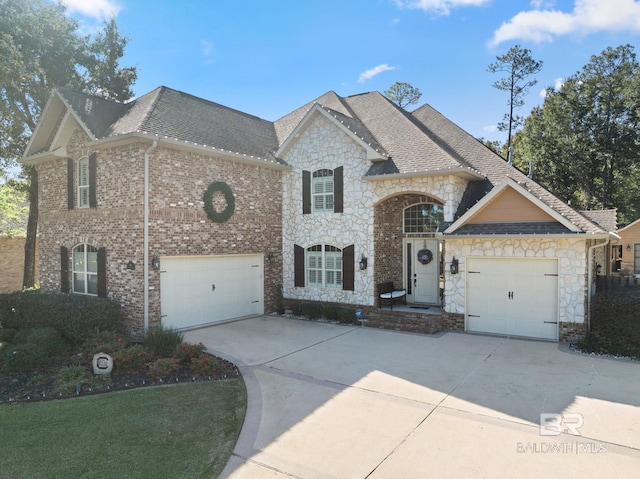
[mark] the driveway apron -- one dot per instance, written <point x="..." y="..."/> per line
<point x="335" y="401"/>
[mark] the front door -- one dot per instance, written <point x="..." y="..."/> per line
<point x="422" y="271"/>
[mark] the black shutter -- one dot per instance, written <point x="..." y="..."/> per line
<point x="298" y="266"/>
<point x="102" y="272"/>
<point x="70" y="187"/>
<point x="64" y="269"/>
<point x="93" y="200"/>
<point x="338" y="189"/>
<point x="348" y="268"/>
<point x="306" y="192"/>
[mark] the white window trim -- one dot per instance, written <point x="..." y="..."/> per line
<point x="83" y="183"/>
<point x="322" y="269"/>
<point x="404" y="223"/>
<point x="84" y="271"/>
<point x="326" y="183"/>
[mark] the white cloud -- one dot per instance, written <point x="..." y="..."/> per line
<point x="98" y="9"/>
<point x="442" y="7"/>
<point x="588" y="16"/>
<point x="374" y="71"/>
<point x="489" y="128"/>
<point x="207" y="51"/>
<point x="557" y="86"/>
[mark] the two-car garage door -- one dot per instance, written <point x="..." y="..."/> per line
<point x="197" y="290"/>
<point x="513" y="297"/>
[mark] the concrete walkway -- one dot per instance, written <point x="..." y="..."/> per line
<point x="333" y="401"/>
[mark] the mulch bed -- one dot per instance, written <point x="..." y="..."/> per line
<point x="16" y="388"/>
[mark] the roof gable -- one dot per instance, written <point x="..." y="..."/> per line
<point x="341" y="124"/>
<point x="498" y="207"/>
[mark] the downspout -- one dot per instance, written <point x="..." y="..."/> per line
<point x="590" y="278"/>
<point x="146" y="234"/>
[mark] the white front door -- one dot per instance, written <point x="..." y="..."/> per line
<point x="422" y="271"/>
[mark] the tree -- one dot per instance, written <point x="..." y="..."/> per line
<point x="586" y="137"/>
<point x="403" y="94"/>
<point x="13" y="207"/>
<point x="518" y="65"/>
<point x="40" y="48"/>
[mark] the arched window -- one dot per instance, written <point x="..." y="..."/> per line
<point x="85" y="269"/>
<point x="322" y="190"/>
<point x="423" y="218"/>
<point x="324" y="266"/>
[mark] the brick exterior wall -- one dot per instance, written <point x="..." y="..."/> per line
<point x="389" y="235"/>
<point x="12" y="263"/>
<point x="178" y="223"/>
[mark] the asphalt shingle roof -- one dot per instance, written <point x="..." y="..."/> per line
<point x="423" y="141"/>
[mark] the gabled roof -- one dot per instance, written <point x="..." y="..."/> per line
<point x="559" y="223"/>
<point x="630" y="225"/>
<point x="171" y="114"/>
<point x="494" y="168"/>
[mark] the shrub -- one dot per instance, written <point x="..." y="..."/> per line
<point x="48" y="340"/>
<point x="163" y="368"/>
<point x="131" y="359"/>
<point x="74" y="316"/>
<point x="23" y="358"/>
<point x="7" y="335"/>
<point x="188" y="352"/>
<point x="103" y="342"/>
<point x="163" y="342"/>
<point x="69" y="376"/>
<point x="204" y="365"/>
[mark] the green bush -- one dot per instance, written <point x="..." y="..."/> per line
<point x="163" y="368"/>
<point x="204" y="365"/>
<point x="75" y="316"/>
<point x="163" y="342"/>
<point x="48" y="340"/>
<point x="23" y="358"/>
<point x="108" y="342"/>
<point x="69" y="376"/>
<point x="188" y="352"/>
<point x="131" y="359"/>
<point x="7" y="335"/>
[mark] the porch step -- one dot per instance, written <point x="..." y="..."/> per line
<point x="415" y="321"/>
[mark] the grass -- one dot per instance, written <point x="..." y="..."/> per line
<point x="615" y="324"/>
<point x="177" y="431"/>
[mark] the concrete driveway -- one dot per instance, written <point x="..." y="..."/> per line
<point x="333" y="401"/>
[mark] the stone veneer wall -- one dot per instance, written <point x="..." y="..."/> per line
<point x="367" y="221"/>
<point x="572" y="261"/>
<point x="178" y="223"/>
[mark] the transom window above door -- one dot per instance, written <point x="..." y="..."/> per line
<point x="423" y="218"/>
<point x="322" y="190"/>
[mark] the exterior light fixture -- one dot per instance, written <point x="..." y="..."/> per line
<point x="454" y="266"/>
<point x="363" y="263"/>
<point x="270" y="257"/>
<point x="155" y="262"/>
<point x="628" y="247"/>
<point x="131" y="265"/>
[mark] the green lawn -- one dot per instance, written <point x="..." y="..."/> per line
<point x="177" y="431"/>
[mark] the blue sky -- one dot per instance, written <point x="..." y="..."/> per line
<point x="268" y="57"/>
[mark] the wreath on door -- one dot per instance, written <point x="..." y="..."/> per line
<point x="225" y="214"/>
<point x="425" y="256"/>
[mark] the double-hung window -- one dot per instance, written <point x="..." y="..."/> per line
<point x="322" y="190"/>
<point x="85" y="269"/>
<point x="324" y="266"/>
<point x="83" y="182"/>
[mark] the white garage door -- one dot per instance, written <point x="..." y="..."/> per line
<point x="197" y="290"/>
<point x="513" y="297"/>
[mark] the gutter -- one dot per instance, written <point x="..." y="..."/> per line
<point x="145" y="247"/>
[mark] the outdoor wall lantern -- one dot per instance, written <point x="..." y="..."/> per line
<point x="454" y="266"/>
<point x="598" y="269"/>
<point x="155" y="262"/>
<point x="270" y="257"/>
<point x="628" y="247"/>
<point x="131" y="265"/>
<point x="363" y="263"/>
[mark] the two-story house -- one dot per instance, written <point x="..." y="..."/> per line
<point x="188" y="213"/>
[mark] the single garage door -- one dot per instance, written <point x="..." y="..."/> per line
<point x="197" y="290"/>
<point x="513" y="297"/>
